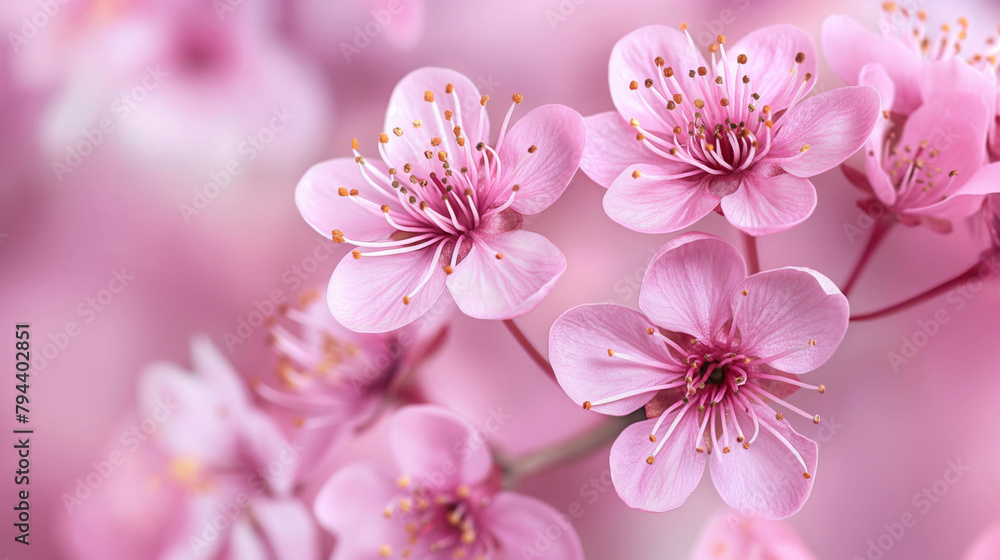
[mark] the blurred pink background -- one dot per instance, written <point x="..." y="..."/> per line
<point x="124" y="122"/>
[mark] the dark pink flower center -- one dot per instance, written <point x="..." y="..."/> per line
<point x="446" y="206"/>
<point x="711" y="118"/>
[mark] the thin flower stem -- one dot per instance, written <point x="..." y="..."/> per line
<point x="514" y="471"/>
<point x="750" y="250"/>
<point x="975" y="272"/>
<point x="878" y="234"/>
<point x="529" y="348"/>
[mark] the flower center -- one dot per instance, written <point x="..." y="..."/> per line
<point x="715" y="121"/>
<point x="320" y="377"/>
<point x="444" y="202"/>
<point x="439" y="522"/>
<point x="714" y="382"/>
<point x="914" y="174"/>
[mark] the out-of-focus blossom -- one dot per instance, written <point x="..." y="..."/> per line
<point x="932" y="172"/>
<point x="919" y="64"/>
<point x="443" y="501"/>
<point x="707" y="354"/>
<point x="217" y="474"/>
<point x="735" y="537"/>
<point x="344" y="30"/>
<point x="443" y="208"/>
<point x="331" y="381"/>
<point x="184" y="86"/>
<point x="986" y="546"/>
<point x="737" y="135"/>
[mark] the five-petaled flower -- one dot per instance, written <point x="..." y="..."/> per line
<point x="929" y="170"/>
<point x="330" y="381"/>
<point x="443" y="207"/>
<point x="710" y="353"/>
<point x="443" y="502"/>
<point x="919" y="63"/>
<point x="737" y="135"/>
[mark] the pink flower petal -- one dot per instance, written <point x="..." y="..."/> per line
<point x="558" y="133"/>
<point x="651" y="204"/>
<point x="319" y="202"/>
<point x="689" y="283"/>
<point x="833" y="124"/>
<point x="968" y="199"/>
<point x="771" y="53"/>
<point x="674" y="474"/>
<point x="366" y="295"/>
<point x="193" y="408"/>
<point x="848" y="46"/>
<point x="350" y="505"/>
<point x="955" y="126"/>
<point x="288" y="528"/>
<point x="632" y="59"/>
<point x="736" y="537"/>
<point x="611" y="147"/>
<point x="521" y="523"/>
<point x="408" y="105"/>
<point x="765" y="205"/>
<point x="216" y="370"/>
<point x="261" y="442"/>
<point x="434" y="446"/>
<point x="578" y="349"/>
<point x="766" y="480"/>
<point x="787" y="308"/>
<point x="875" y="75"/>
<point x="939" y="80"/>
<point x="487" y="287"/>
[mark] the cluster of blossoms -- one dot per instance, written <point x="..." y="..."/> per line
<point x="712" y="356"/>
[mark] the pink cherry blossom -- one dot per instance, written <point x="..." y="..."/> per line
<point x="442" y="502"/>
<point x="919" y="63"/>
<point x="331" y="381"/>
<point x="930" y="169"/>
<point x="443" y="208"/>
<point x="738" y="135"/>
<point x="735" y="537"/>
<point x="707" y="354"/>
<point x="906" y="47"/>
<point x="230" y="459"/>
